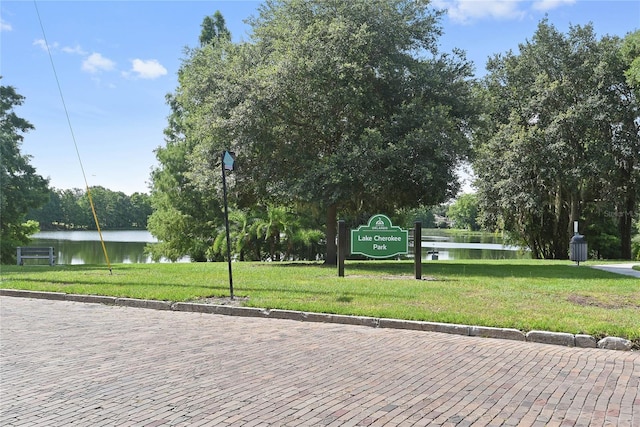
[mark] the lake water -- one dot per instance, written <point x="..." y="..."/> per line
<point x="442" y="244"/>
<point x="83" y="247"/>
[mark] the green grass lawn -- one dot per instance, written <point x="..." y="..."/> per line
<point x="523" y="294"/>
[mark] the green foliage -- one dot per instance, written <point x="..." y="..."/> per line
<point x="601" y="230"/>
<point x="21" y="188"/>
<point x="407" y="217"/>
<point x="70" y="209"/>
<point x="184" y="228"/>
<point x="464" y="212"/>
<point x="214" y="29"/>
<point x="630" y="52"/>
<point x="356" y="103"/>
<point x="326" y="106"/>
<point x="175" y="232"/>
<point x="560" y="138"/>
<point x="187" y="212"/>
<point x="636" y="242"/>
<point x="272" y="233"/>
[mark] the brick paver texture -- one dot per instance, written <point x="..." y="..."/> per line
<point x="67" y="363"/>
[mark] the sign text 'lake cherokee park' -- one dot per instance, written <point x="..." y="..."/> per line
<point x="379" y="239"/>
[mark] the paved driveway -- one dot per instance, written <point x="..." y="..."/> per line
<point x="68" y="363"/>
<point x="623" y="268"/>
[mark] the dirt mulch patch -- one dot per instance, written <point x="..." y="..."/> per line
<point x="589" y="301"/>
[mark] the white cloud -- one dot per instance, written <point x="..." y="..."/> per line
<point x="544" y="5"/>
<point x="77" y="50"/>
<point x="147" y="69"/>
<point x="5" y="26"/>
<point x="463" y="11"/>
<point x="43" y="45"/>
<point x="95" y="63"/>
<point x="40" y="43"/>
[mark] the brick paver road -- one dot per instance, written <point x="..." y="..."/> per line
<point x="68" y="363"/>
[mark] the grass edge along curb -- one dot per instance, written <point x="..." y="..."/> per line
<point x="542" y="337"/>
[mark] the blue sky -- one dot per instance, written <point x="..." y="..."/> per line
<point x="116" y="61"/>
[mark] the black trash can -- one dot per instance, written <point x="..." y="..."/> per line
<point x="578" y="248"/>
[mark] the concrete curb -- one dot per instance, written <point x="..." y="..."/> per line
<point x="142" y="303"/>
<point x="500" y="333"/>
<point x="543" y="337"/>
<point x="557" y="338"/>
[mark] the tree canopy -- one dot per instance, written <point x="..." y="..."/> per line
<point x="561" y="141"/>
<point x="343" y="106"/>
<point x="70" y="209"/>
<point x="214" y="29"/>
<point x="463" y="213"/>
<point x="21" y="188"/>
<point x="630" y="52"/>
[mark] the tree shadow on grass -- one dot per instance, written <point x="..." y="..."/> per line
<point x="47" y="269"/>
<point x="444" y="269"/>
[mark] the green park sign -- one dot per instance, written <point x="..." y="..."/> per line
<point x="379" y="239"/>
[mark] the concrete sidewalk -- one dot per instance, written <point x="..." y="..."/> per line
<point x="623" y="268"/>
<point x="97" y="365"/>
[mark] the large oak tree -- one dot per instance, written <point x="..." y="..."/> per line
<point x="346" y="106"/>
<point x="561" y="140"/>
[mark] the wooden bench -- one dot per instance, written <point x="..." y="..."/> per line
<point x="30" y="252"/>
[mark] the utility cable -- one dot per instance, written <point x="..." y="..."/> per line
<point x="73" y="137"/>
